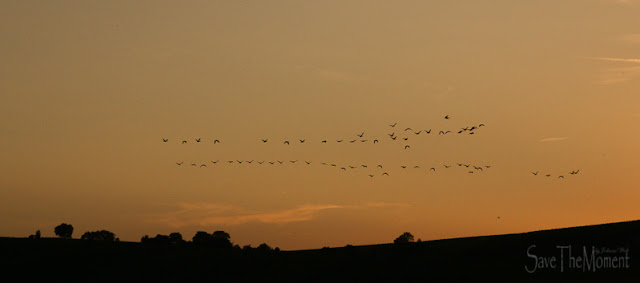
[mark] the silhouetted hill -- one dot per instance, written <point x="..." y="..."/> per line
<point x="486" y="257"/>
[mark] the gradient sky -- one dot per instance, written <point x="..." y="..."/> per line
<point x="88" y="90"/>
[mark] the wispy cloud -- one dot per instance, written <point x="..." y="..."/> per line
<point x="619" y="74"/>
<point x="553" y="139"/>
<point x="202" y="214"/>
<point x="632" y="38"/>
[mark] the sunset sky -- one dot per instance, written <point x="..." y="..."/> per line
<point x="88" y="90"/>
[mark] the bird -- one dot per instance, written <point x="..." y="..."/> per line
<point x="459" y="164"/>
<point x="385" y="173"/>
<point x="392" y="134"/>
<point x="293" y="161"/>
<point x="379" y="166"/>
<point x="472" y="128"/>
<point x="487" y="166"/>
<point x="240" y="162"/>
<point x="203" y="165"/>
<point x="394" y="138"/>
<point x="352" y="141"/>
<point x="271" y="162"/>
<point x="249" y="161"/>
<point x="214" y="162"/>
<point x="360" y="135"/>
<point x="418" y="132"/>
<point x="352" y="167"/>
<point x="434" y="169"/>
<point x="471" y="172"/>
<point x="280" y="161"/>
<point x="446" y="117"/>
<point x="324" y="141"/>
<point x="332" y="165"/>
<point x="460" y="132"/>
<point x="498" y="217"/>
<point x="364" y="166"/>
<point x="406" y="139"/>
<point x="286" y="142"/>
<point x="445" y="166"/>
<point x="179" y="163"/>
<point x="265" y="140"/>
<point x="417" y="167"/>
<point x="183" y="142"/>
<point x="216" y="141"/>
<point x="574" y="172"/>
<point x="302" y="141"/>
<point x="548" y="175"/>
<point x="165" y="140"/>
<point x="394" y="124"/>
<point x="403" y="166"/>
<point x="375" y="141"/>
<point x="441" y="133"/>
<point x="465" y="128"/>
<point x="308" y="162"/>
<point x="466" y="165"/>
<point x="560" y="177"/>
<point x="406" y="147"/>
<point x="481" y="125"/>
<point x="472" y="133"/>
<point x="198" y="139"/>
<point x="193" y="164"/>
<point x="260" y="162"/>
<point x="345" y="169"/>
<point x="428" y="132"/>
<point x="408" y="129"/>
<point x="230" y="161"/>
<point x="447" y="132"/>
<point x="370" y="175"/>
<point x="478" y="168"/>
<point x="339" y="140"/>
<point x="363" y="140"/>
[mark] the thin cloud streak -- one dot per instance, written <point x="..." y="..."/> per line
<point x="201" y="214"/>
<point x="628" y="60"/>
<point x="553" y="139"/>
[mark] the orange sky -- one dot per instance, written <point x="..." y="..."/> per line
<point x="87" y="91"/>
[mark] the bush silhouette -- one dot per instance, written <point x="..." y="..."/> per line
<point x="102" y="235"/>
<point x="405" y="238"/>
<point x="64" y="231"/>
<point x="219" y="239"/>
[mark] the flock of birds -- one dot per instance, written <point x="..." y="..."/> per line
<point x="468" y="130"/>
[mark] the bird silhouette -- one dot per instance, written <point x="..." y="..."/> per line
<point x="352" y="141"/>
<point x="249" y="161"/>
<point x="193" y="164"/>
<point x="416" y="167"/>
<point x="408" y="129"/>
<point x="308" y="162"/>
<point x="574" y="172"/>
<point x="472" y="133"/>
<point x="363" y="140"/>
<point x="216" y="141"/>
<point x="548" y="175"/>
<point x="165" y="140"/>
<point x="332" y="165"/>
<point x="406" y="139"/>
<point x="197" y="140"/>
<point x="324" y="141"/>
<point x="385" y="173"/>
<point x="446" y="117"/>
<point x="460" y="132"/>
<point x="360" y="135"/>
<point x="392" y="134"/>
<point x="240" y="162"/>
<point x="280" y="161"/>
<point x="560" y="177"/>
<point x="286" y="142"/>
<point x="478" y="168"/>
<point x="394" y="124"/>
<point x="345" y="169"/>
<point x="179" y="163"/>
<point x="535" y="173"/>
<point x="370" y="175"/>
<point x="446" y="166"/>
<point x="230" y="161"/>
<point x="214" y="162"/>
<point x="487" y="166"/>
<point x="339" y="140"/>
<point x="302" y="141"/>
<point x="459" y="164"/>
<point x="352" y="167"/>
<point x="203" y="165"/>
<point x="271" y="162"/>
<point x="471" y="172"/>
<point x="403" y="167"/>
<point x="481" y="125"/>
<point x="428" y="132"/>
<point x="265" y="140"/>
<point x="364" y="166"/>
<point x="293" y="161"/>
<point x="441" y="133"/>
<point x="183" y="142"/>
<point x="434" y="169"/>
<point x="375" y="141"/>
<point x="417" y="133"/>
<point x="394" y="138"/>
<point x="407" y="147"/>
<point x="260" y="162"/>
<point x="466" y="165"/>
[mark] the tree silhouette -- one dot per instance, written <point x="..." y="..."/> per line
<point x="405" y="238"/>
<point x="35" y="236"/>
<point x="102" y="235"/>
<point x="64" y="231"/>
<point x="219" y="239"/>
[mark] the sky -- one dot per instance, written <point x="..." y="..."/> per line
<point x="88" y="90"/>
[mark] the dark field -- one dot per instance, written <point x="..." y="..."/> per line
<point x="501" y="257"/>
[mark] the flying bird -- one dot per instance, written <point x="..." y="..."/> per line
<point x="198" y="140"/>
<point x="179" y="163"/>
<point x="216" y="141"/>
<point x="339" y="140"/>
<point x="293" y="161"/>
<point x="481" y="125"/>
<point x="332" y="165"/>
<point x="394" y="124"/>
<point x="428" y="132"/>
<point x="214" y="162"/>
<point x="308" y="162"/>
<point x="352" y="141"/>
<point x="416" y="166"/>
<point x="280" y="161"/>
<point x="394" y="138"/>
<point x="406" y="139"/>
<point x="391" y="134"/>
<point x="363" y="140"/>
<point x="408" y="129"/>
<point x="403" y="167"/>
<point x="548" y="175"/>
<point x="345" y="169"/>
<point x="302" y="141"/>
<point x="193" y="164"/>
<point x="249" y="161"/>
<point x="165" y="140"/>
<point x="360" y="135"/>
<point x="352" y="167"/>
<point x="445" y="166"/>
<point x="240" y="162"/>
<point x="260" y="162"/>
<point x="370" y="175"/>
<point x="417" y="133"/>
<point x="380" y="166"/>
<point x="324" y="141"/>
<point x="471" y="172"/>
<point x="286" y="142"/>
<point x="203" y="165"/>
<point x="364" y="166"/>
<point x="441" y="133"/>
<point x="183" y="142"/>
<point x="265" y="140"/>
<point x="560" y="177"/>
<point x="375" y="141"/>
<point x="406" y="147"/>
<point x="446" y="117"/>
<point x="230" y="161"/>
<point x="271" y="162"/>
<point x="385" y="173"/>
<point x="434" y="169"/>
<point x="459" y="164"/>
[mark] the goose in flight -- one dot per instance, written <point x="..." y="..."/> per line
<point x="302" y="141"/>
<point x="416" y="167"/>
<point x="286" y="142"/>
<point x="249" y="161"/>
<point x="370" y="175"/>
<point x="360" y="135"/>
<point x="324" y="141"/>
<point x="230" y="161"/>
<point x="403" y="166"/>
<point x="441" y="133"/>
<point x="339" y="140"/>
<point x="280" y="161"/>
<point x="487" y="166"/>
<point x="198" y="140"/>
<point x="324" y="163"/>
<point x="214" y="162"/>
<point x="472" y="128"/>
<point x="408" y="129"/>
<point x="406" y="139"/>
<point x="459" y="164"/>
<point x="394" y="124"/>
<point x="548" y="175"/>
<point x="363" y="140"/>
<point x="308" y="162"/>
<point x="333" y="165"/>
<point x="574" y="172"/>
<point x="466" y="165"/>
<point x="165" y="140"/>
<point x="345" y="169"/>
<point x="407" y="147"/>
<point x="375" y="141"/>
<point x="293" y="161"/>
<point x="471" y="172"/>
<point x="417" y="133"/>
<point x="428" y="132"/>
<point x="535" y="173"/>
<point x="179" y="163"/>
<point x="446" y="166"/>
<point x="481" y="125"/>
<point x="352" y="167"/>
<point x="392" y="134"/>
<point x="271" y="162"/>
<point x="472" y="133"/>
<point x="183" y="142"/>
<point x="478" y="168"/>
<point x="240" y="162"/>
<point x="394" y="138"/>
<point x="203" y="165"/>
<point x="446" y="117"/>
<point x="364" y="166"/>
<point x="379" y="166"/>
<point x="193" y="164"/>
<point x="216" y="141"/>
<point x="265" y="140"/>
<point x="260" y="162"/>
<point x="434" y="169"/>
<point x="352" y="141"/>
<point x="560" y="177"/>
<point x="385" y="173"/>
